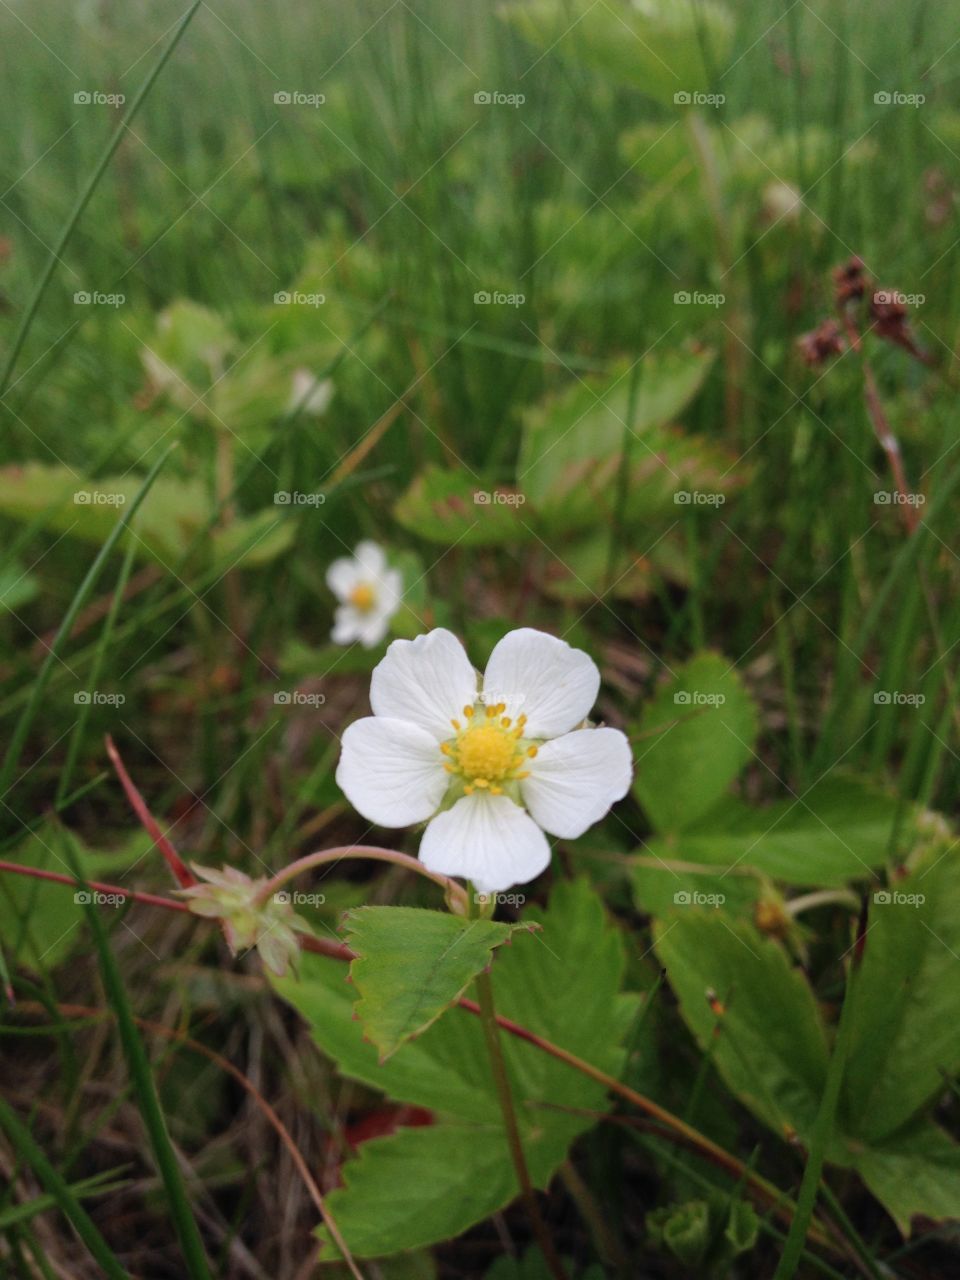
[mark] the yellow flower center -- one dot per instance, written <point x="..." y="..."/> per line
<point x="488" y="749"/>
<point x="361" y="597"/>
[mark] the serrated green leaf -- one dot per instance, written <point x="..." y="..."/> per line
<point x="769" y="1044"/>
<point x="453" y="506"/>
<point x="540" y="982"/>
<point x="413" y="964"/>
<point x="573" y="446"/>
<point x="708" y="727"/>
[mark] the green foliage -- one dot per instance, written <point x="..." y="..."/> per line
<point x="412" y="965"/>
<point x="768" y="1043"/>
<point x="708" y="728"/>
<point x="454" y="508"/>
<point x="705" y="1235"/>
<point x="39" y="920"/>
<point x="658" y="48"/>
<point x="836" y="831"/>
<point x="541" y="982"/>
<point x="575" y="444"/>
<point x="906" y="1038"/>
<point x="175" y="520"/>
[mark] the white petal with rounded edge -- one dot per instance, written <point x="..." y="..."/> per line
<point x="342" y="576"/>
<point x="576" y="778"/>
<point x="391" y="771"/>
<point x="427" y="681"/>
<point x="347" y="623"/>
<point x="552" y="684"/>
<point x="371" y="559"/>
<point x="486" y="839"/>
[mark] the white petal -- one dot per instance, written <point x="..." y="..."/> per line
<point x="576" y="778"/>
<point x="486" y="839"/>
<point x="390" y="590"/>
<point x="371" y="560"/>
<point x="391" y="771"/>
<point x="553" y="685"/>
<point x="342" y="576"/>
<point x="427" y="681"/>
<point x="347" y="625"/>
<point x="374" y="626"/>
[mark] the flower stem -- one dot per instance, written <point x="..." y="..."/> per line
<point x="454" y="891"/>
<point x="491" y="1031"/>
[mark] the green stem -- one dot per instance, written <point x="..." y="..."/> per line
<point x="498" y="1067"/>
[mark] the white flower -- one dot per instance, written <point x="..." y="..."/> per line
<point x="309" y="394"/>
<point x="369" y="593"/>
<point x="492" y="768"/>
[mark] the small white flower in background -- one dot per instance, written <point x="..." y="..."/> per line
<point x="492" y="767"/>
<point x="272" y="926"/>
<point x="309" y="394"/>
<point x="369" y="592"/>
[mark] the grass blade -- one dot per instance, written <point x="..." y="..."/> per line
<point x="31" y="1154"/>
<point x="145" y="1089"/>
<point x="84" y="198"/>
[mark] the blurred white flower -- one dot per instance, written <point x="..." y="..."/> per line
<point x="492" y="768"/>
<point x="232" y="897"/>
<point x="369" y="592"/>
<point x="309" y="394"/>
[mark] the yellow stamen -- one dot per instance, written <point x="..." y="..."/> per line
<point x="362" y="597"/>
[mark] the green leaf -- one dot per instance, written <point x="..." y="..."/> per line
<point x="39" y="918"/>
<point x="413" y="964"/>
<point x="906" y="1034"/>
<point x="173" y="516"/>
<point x="913" y="1173"/>
<point x="572" y="449"/>
<point x="837" y="831"/>
<point x="659" y="889"/>
<point x="769" y="1045"/>
<point x="657" y="47"/>
<point x="540" y="982"/>
<point x="708" y="726"/>
<point x="448" y="507"/>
